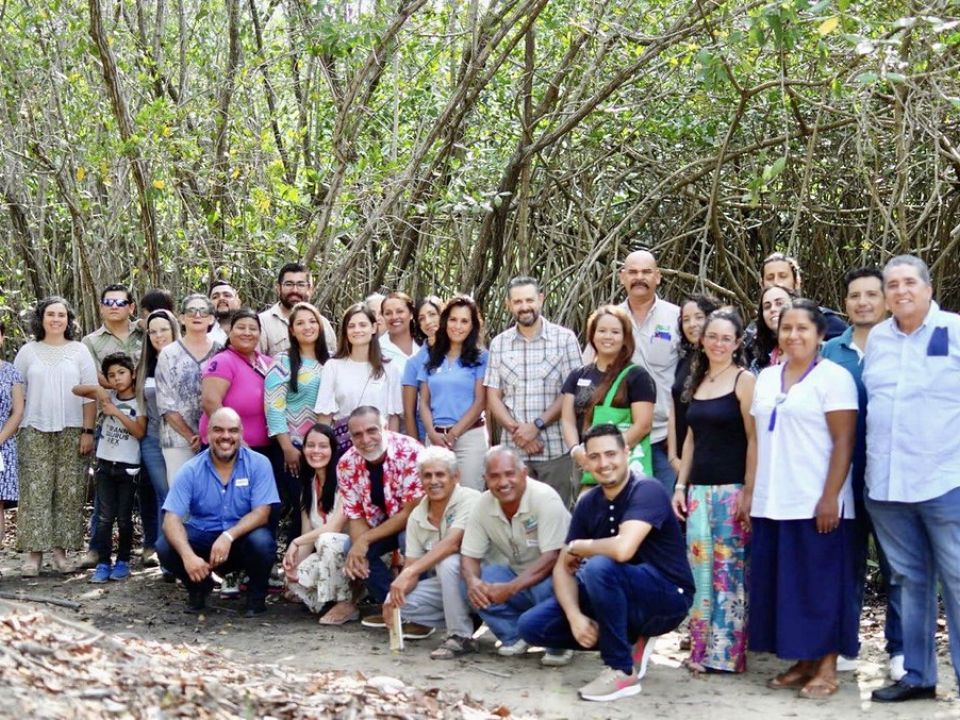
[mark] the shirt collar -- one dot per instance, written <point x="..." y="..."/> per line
<point x="132" y="330"/>
<point x="237" y="466"/>
<point x="933" y="310"/>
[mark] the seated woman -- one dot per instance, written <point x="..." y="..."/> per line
<point x="452" y="394"/>
<point x="719" y="458"/>
<point x="314" y="561"/>
<point x="610" y="389"/>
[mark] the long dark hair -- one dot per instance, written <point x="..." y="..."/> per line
<point x="319" y="345"/>
<point x="700" y="364"/>
<point x="434" y="302"/>
<point x="766" y="338"/>
<point x="36" y="322"/>
<point x="470" y="352"/>
<point x="148" y="355"/>
<point x="329" y="494"/>
<point x="620" y="362"/>
<point x="415" y="332"/>
<point x="374" y="354"/>
<point x="707" y="305"/>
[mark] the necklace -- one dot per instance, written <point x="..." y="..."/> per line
<point x="713" y="378"/>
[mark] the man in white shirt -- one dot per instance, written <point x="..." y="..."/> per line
<point x="293" y="285"/>
<point x="912" y="376"/>
<point x="226" y="301"/>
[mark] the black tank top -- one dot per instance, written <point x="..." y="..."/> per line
<point x="720" y="442"/>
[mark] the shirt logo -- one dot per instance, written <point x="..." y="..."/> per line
<point x="662" y="332"/>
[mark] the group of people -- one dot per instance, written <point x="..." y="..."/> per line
<point x="725" y="474"/>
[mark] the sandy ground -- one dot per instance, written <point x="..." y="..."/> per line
<point x="286" y="635"/>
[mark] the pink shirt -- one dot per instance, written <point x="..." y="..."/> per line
<point x="245" y="394"/>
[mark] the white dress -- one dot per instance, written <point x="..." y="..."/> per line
<point x="320" y="577"/>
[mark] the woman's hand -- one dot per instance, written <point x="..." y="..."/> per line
<point x="436" y="438"/>
<point x="86" y="443"/>
<point x="744" y="503"/>
<point x="679" y="503"/>
<point x="296" y="553"/>
<point x="827" y="514"/>
<point x="291" y="459"/>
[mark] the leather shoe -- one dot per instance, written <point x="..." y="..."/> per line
<point x="254" y="608"/>
<point x="196" y="603"/>
<point x="900" y="691"/>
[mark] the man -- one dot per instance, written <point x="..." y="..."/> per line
<point x="434" y="532"/>
<point x="293" y="285"/>
<point x="522" y="522"/>
<point x="226" y="301"/>
<point x="526" y="368"/>
<point x="657" y="341"/>
<point x="378" y="481"/>
<point x="118" y="331"/>
<point x="866" y="308"/>
<point x="623" y="577"/>
<point x="226" y="493"/>
<point x="911" y="375"/>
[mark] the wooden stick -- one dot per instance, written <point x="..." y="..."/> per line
<point x="29" y="597"/>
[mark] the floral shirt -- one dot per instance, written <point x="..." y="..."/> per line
<point x="178" y="389"/>
<point x="401" y="482"/>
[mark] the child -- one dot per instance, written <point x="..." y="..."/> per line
<point x="118" y="462"/>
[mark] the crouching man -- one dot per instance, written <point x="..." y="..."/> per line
<point x="226" y="493"/>
<point x="522" y="522"/>
<point x="622" y="577"/>
<point x="434" y="532"/>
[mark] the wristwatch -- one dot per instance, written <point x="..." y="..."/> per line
<point x="87" y="431"/>
<point x="539" y="424"/>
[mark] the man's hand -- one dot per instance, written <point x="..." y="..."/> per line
<point x="584" y="630"/>
<point x="197" y="568"/>
<point x="499" y="592"/>
<point x="525" y="434"/>
<point x="404" y="583"/>
<point x="571" y="563"/>
<point x="357" y="567"/>
<point x="220" y="550"/>
<point x="477" y="594"/>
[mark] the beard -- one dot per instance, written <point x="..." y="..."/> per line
<point x="225" y="456"/>
<point x="528" y="318"/>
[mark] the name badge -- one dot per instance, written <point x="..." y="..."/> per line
<point x="584" y="382"/>
<point x="242" y="482"/>
<point x="532" y="542"/>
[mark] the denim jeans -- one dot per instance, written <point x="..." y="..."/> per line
<point x="378" y="582"/>
<point x="503" y="618"/>
<point x="626" y="601"/>
<point x="116" y="484"/>
<point x="254" y="553"/>
<point x="288" y="487"/>
<point x="892" y="629"/>
<point x="662" y="469"/>
<point x="922" y="543"/>
<point x="152" y="489"/>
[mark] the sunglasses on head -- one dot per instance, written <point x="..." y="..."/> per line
<point x="111" y="302"/>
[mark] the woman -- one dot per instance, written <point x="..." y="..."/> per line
<point x="428" y="320"/>
<point x="11" y="413"/>
<point x="234" y="378"/>
<point x="56" y="435"/>
<point x="452" y="394"/>
<point x="314" y="561"/>
<point x="162" y="329"/>
<point x="764" y="351"/>
<point x="179" y="367"/>
<point x="610" y="334"/>
<point x="693" y="314"/>
<point x="358" y="375"/>
<point x="719" y="457"/>
<point x="403" y="337"/>
<point x="802" y="588"/>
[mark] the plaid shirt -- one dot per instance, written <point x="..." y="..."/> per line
<point x="401" y="483"/>
<point x="529" y="374"/>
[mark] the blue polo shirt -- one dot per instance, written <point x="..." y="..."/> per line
<point x="595" y="518"/>
<point x="841" y="351"/>
<point x="453" y="388"/>
<point x="212" y="506"/>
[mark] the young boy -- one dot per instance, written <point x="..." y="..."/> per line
<point x="118" y="462"/>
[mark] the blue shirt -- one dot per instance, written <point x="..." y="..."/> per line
<point x="595" y="517"/>
<point x="913" y="409"/>
<point x="452" y="388"/>
<point x="843" y="353"/>
<point x="212" y="506"/>
<point x="410" y="372"/>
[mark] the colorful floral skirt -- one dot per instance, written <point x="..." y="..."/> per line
<point x="716" y="547"/>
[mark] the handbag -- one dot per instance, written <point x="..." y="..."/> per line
<point x="639" y="458"/>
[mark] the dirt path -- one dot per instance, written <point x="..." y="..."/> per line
<point x="286" y="635"/>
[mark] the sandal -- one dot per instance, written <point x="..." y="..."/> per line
<point x="792" y="679"/>
<point x="819" y="688"/>
<point x="454" y="647"/>
<point x="340" y="614"/>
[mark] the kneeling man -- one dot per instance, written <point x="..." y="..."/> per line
<point x="623" y="576"/>
<point x="434" y="532"/>
<point x="225" y="492"/>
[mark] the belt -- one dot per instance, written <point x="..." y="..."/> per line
<point x="478" y="424"/>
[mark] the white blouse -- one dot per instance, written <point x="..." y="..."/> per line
<point x="49" y="373"/>
<point x="347" y="384"/>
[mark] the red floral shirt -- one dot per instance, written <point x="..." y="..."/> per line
<point x="401" y="482"/>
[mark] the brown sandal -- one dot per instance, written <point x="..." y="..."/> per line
<point x="819" y="688"/>
<point x="340" y="614"/>
<point x="790" y="680"/>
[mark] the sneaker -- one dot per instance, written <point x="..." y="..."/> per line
<point x="453" y="647"/>
<point x="121" y="571"/>
<point x="846" y="664"/>
<point x="90" y="559"/>
<point x="374" y="621"/>
<point x="897" y="671"/>
<point x="149" y="558"/>
<point x="642" y="650"/>
<point x="416" y="631"/>
<point x="611" y="684"/>
<point x="230" y="585"/>
<point x="100" y="574"/>
<point x="556" y="658"/>
<point x="513" y="650"/>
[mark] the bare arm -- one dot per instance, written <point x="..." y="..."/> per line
<point x="212" y="392"/>
<point x="568" y="428"/>
<point x="679" y="501"/>
<point x="585" y="631"/>
<point x="89" y="420"/>
<point x="673" y="451"/>
<point x="197" y="568"/>
<point x="843" y="429"/>
<point x="621" y="548"/>
<point x="409" y="394"/>
<point x="473" y="412"/>
<point x="499" y="411"/>
<point x="407" y="580"/>
<point x="10" y="427"/>
<point x="745" y="388"/>
<point x="642" y="414"/>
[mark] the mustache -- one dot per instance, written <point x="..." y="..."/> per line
<point x="640" y="283"/>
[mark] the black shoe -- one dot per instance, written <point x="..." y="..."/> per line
<point x="196" y="603"/>
<point x="254" y="608"/>
<point x="900" y="691"/>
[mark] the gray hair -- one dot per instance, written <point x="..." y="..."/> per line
<point x="437" y="454"/>
<point x="363" y="410"/>
<point x="498" y="450"/>
<point x="910" y="260"/>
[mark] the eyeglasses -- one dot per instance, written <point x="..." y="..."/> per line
<point x="112" y="302"/>
<point x="197" y="311"/>
<point x="299" y="285"/>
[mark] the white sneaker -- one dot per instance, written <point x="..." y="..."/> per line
<point x="517" y="648"/>
<point x="230" y="585"/>
<point x="611" y="684"/>
<point x="846" y="664"/>
<point x="556" y="658"/>
<point x="897" y="671"/>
